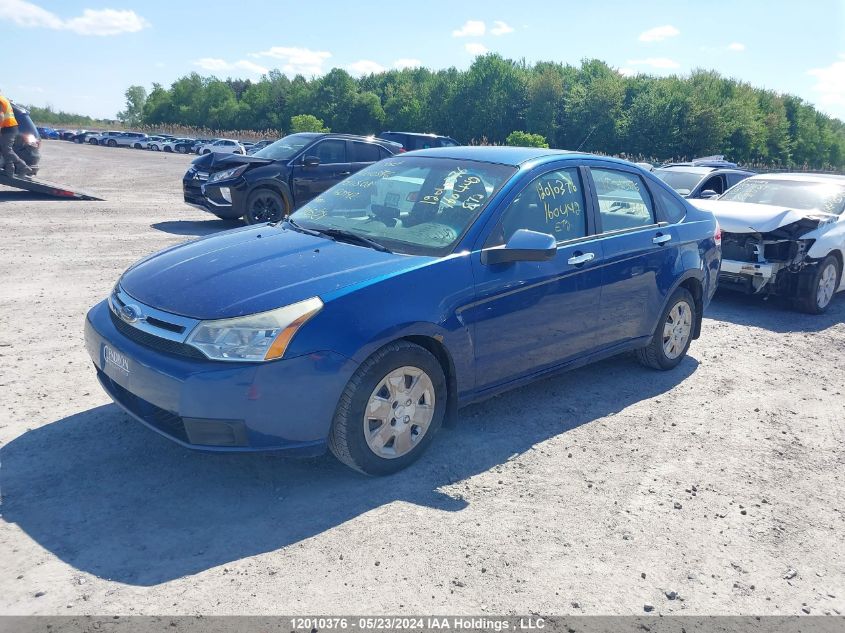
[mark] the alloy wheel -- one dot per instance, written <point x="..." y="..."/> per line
<point x="827" y="286"/>
<point x="265" y="208"/>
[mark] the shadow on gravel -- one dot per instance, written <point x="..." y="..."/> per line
<point x="775" y="314"/>
<point x="202" y="227"/>
<point x="113" y="499"/>
<point x="29" y="196"/>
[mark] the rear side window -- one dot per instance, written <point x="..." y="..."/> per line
<point x="364" y="153"/>
<point x="673" y="209"/>
<point x="624" y="201"/>
<point x="552" y="203"/>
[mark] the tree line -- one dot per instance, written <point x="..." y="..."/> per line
<point x="591" y="107"/>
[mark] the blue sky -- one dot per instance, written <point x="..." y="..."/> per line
<point x="81" y="55"/>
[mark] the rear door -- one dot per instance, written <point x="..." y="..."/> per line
<point x="640" y="251"/>
<point x="530" y="316"/>
<point x="310" y="182"/>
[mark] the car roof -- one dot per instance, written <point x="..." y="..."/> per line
<point x="425" y="134"/>
<point x="801" y="176"/>
<point x="514" y="156"/>
<point x="703" y="171"/>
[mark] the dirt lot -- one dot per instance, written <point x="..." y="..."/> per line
<point x="594" y="492"/>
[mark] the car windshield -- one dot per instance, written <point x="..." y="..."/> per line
<point x="823" y="196"/>
<point x="681" y="181"/>
<point x="287" y="147"/>
<point x="408" y="204"/>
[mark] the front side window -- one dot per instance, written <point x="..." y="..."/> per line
<point x="552" y="203"/>
<point x="409" y="204"/>
<point x="330" y="152"/>
<point x="624" y="201"/>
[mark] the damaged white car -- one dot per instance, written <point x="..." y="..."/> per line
<point x="783" y="234"/>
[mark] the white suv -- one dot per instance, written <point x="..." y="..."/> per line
<point x="222" y="146"/>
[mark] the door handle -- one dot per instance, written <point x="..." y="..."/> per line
<point x="660" y="239"/>
<point x="577" y="260"/>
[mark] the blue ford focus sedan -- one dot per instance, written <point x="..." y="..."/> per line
<point x="422" y="283"/>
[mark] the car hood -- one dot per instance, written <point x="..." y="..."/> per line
<point x="216" y="161"/>
<point x="747" y="217"/>
<point x="254" y="269"/>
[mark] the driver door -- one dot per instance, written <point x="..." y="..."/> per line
<point x="531" y="315"/>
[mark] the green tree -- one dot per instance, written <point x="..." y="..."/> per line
<point x="525" y="139"/>
<point x="136" y="97"/>
<point x="306" y="123"/>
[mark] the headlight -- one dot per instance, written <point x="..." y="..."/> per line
<point x="257" y="337"/>
<point x="229" y="173"/>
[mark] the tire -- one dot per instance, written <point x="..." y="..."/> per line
<point x="111" y="143"/>
<point x="348" y="435"/>
<point x="206" y="151"/>
<point x="93" y="141"/>
<point x="666" y="351"/>
<point x="824" y="281"/>
<point x="179" y="149"/>
<point x="167" y="150"/>
<point x="137" y="146"/>
<point x="265" y="205"/>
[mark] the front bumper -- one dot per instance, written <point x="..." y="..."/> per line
<point x="219" y="406"/>
<point x="749" y="277"/>
<point x="225" y="199"/>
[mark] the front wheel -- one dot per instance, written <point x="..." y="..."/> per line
<point x="167" y="149"/>
<point x="93" y="141"/>
<point x="180" y="149"/>
<point x="265" y="205"/>
<point x="390" y="411"/>
<point x="673" y="335"/>
<point x="824" y="281"/>
<point x="137" y="146"/>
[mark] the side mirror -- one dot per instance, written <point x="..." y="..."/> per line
<point x="311" y="161"/>
<point x="523" y="246"/>
<point x="708" y="193"/>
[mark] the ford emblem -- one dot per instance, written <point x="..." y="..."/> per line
<point x="131" y="313"/>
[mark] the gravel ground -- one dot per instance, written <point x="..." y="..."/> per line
<point x="713" y="489"/>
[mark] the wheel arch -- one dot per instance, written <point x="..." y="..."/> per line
<point x="692" y="283"/>
<point x="437" y="349"/>
<point x="274" y="185"/>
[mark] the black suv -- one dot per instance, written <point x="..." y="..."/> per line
<point x="707" y="177"/>
<point x="414" y="140"/>
<point x="268" y="185"/>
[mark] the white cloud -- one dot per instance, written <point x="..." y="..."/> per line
<point x="660" y="63"/>
<point x="407" y="62"/>
<point x="471" y="28"/>
<point x="830" y="83"/>
<point x="627" y="72"/>
<point x="297" y="61"/>
<point x="474" y="48"/>
<point x="216" y="65"/>
<point x="91" y="22"/>
<point x="659" y="33"/>
<point x="365" y="67"/>
<point x="736" y="46"/>
<point x="501" y="28"/>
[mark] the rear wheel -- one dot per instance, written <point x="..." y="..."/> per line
<point x="137" y="146"/>
<point x="112" y="143"/>
<point x="390" y="411"/>
<point x="673" y="335"/>
<point x="92" y="141"/>
<point x="265" y="205"/>
<point x="824" y="282"/>
<point x="167" y="149"/>
<point x="180" y="149"/>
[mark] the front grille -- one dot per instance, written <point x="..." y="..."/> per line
<point x="155" y="342"/>
<point x="166" y="421"/>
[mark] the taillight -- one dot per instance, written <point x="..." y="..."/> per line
<point x="717" y="234"/>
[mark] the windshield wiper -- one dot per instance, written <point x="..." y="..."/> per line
<point x="302" y="229"/>
<point x="349" y="236"/>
